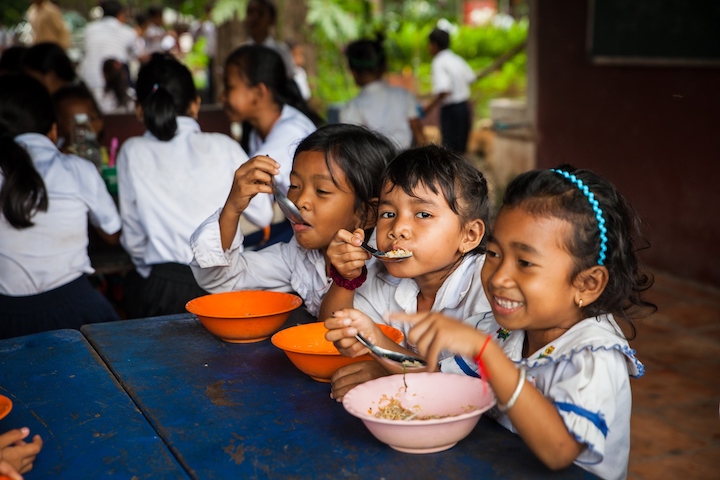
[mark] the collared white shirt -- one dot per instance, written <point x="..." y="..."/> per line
<point x="281" y="267"/>
<point x="452" y="74"/>
<point x="167" y="189"/>
<point x="53" y="252"/>
<point x="461" y="296"/>
<point x="106" y="38"/>
<point x="586" y="373"/>
<point x="385" y="109"/>
<point x="280" y="144"/>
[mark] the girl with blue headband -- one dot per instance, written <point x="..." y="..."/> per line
<point x="561" y="267"/>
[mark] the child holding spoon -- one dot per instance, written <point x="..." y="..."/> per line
<point x="562" y="267"/>
<point x="435" y="204"/>
<point x="333" y="182"/>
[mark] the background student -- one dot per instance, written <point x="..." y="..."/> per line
<point x="46" y="199"/>
<point x="169" y="181"/>
<point x="275" y="118"/>
<point x="451" y="80"/>
<point x="392" y="111"/>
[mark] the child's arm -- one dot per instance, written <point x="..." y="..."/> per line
<point x="348" y="259"/>
<point x="534" y="417"/>
<point x="251" y="178"/>
<point x="19" y="454"/>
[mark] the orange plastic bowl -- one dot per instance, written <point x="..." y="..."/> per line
<point x="245" y="316"/>
<point x="307" y="349"/>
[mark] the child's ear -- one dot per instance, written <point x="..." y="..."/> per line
<point x="194" y="108"/>
<point x="474" y="232"/>
<point x="590" y="284"/>
<point x="371" y="212"/>
<point x="262" y="92"/>
<point x="53" y="134"/>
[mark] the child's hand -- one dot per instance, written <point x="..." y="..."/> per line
<point x="433" y="332"/>
<point x="346" y="254"/>
<point x="18" y="453"/>
<point x="251" y="178"/>
<point x="345" y="324"/>
<point x="349" y="376"/>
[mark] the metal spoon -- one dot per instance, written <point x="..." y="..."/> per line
<point x="288" y="208"/>
<point x="383" y="256"/>
<point x="407" y="361"/>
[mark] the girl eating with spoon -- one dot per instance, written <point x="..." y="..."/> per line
<point x="435" y="204"/>
<point x="333" y="182"/>
<point x="561" y="267"/>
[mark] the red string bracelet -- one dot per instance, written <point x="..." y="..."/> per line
<point x="344" y="282"/>
<point x="478" y="359"/>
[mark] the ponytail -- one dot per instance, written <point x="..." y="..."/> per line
<point x="165" y="89"/>
<point x="159" y="114"/>
<point x="23" y="191"/>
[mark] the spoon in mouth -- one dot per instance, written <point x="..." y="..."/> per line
<point x="406" y="361"/>
<point x="287" y="207"/>
<point x="391" y="256"/>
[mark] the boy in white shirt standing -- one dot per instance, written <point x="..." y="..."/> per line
<point x="451" y="79"/>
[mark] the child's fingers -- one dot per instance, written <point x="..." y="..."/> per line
<point x="12" y="436"/>
<point x="352" y="375"/>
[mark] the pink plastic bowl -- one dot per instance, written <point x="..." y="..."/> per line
<point x="463" y="397"/>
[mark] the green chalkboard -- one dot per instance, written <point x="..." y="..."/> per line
<point x="654" y="32"/>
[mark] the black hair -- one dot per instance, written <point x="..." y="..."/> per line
<point x="80" y="92"/>
<point x="367" y="56"/>
<point x="154" y="10"/>
<point x="441" y="38"/>
<point x="258" y="64"/>
<point x="50" y="57"/>
<point x="547" y="193"/>
<point x="112" y="8"/>
<point x="360" y="153"/>
<point x="269" y="5"/>
<point x="25" y="107"/>
<point x="165" y="89"/>
<point x="116" y="81"/>
<point x="441" y="170"/>
<point x="11" y="59"/>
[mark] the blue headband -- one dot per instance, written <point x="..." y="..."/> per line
<point x="596" y="208"/>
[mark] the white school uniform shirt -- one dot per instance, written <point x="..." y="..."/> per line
<point x="452" y="74"/>
<point x="167" y="189"/>
<point x="53" y="252"/>
<point x="385" y="109"/>
<point x="106" y="38"/>
<point x="461" y="296"/>
<point x="280" y="144"/>
<point x="586" y="373"/>
<point x="281" y="267"/>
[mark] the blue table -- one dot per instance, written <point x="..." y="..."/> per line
<point x="90" y="427"/>
<point x="244" y="411"/>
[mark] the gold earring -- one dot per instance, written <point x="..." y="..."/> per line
<point x="580" y="303"/>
